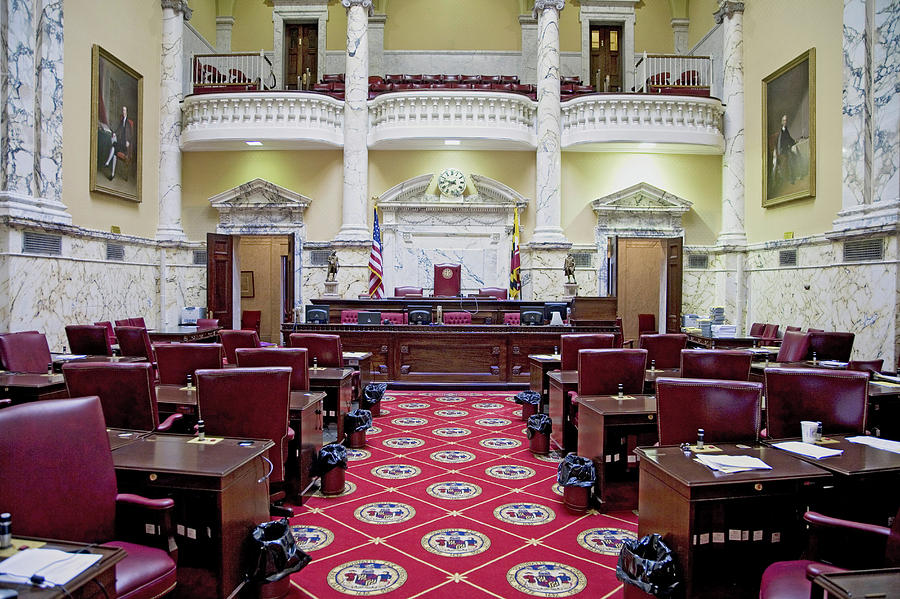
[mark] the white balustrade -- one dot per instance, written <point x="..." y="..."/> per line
<point x="231" y="72"/>
<point x="653" y="72"/>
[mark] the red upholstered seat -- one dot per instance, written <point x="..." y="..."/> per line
<point x="349" y="316"/>
<point x="395" y="317"/>
<point x="137" y="322"/>
<point x="498" y="292"/>
<point x="207" y="323"/>
<point x="570" y="345"/>
<point x="250" y="320"/>
<point x="870" y="366"/>
<point x="135" y="342"/>
<point x="646" y="324"/>
<point x="109" y="330"/>
<point x="25" y="352"/>
<point x="790" y="328"/>
<point x="512" y="318"/>
<point x="326" y="349"/>
<point x="723" y="364"/>
<point x="457" y="318"/>
<point x="76" y="459"/>
<point x="831" y="345"/>
<point x="756" y="329"/>
<point x="447" y="279"/>
<point x="406" y="290"/>
<point x="837" y="398"/>
<point x="794" y="347"/>
<point x="232" y="340"/>
<point x="293" y="357"/>
<point x="88" y="339"/>
<point x="601" y="371"/>
<point x="728" y="411"/>
<point x="175" y="361"/>
<point x="770" y="332"/>
<point x="127" y="392"/>
<point x="664" y="349"/>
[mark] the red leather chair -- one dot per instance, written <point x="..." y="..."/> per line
<point x="250" y="320"/>
<point x="175" y="361"/>
<point x="394" y="317"/>
<point x="647" y="324"/>
<point x="135" y="342"/>
<point x="770" y="332"/>
<point x="457" y="318"/>
<point x="326" y="349"/>
<point x="722" y="364"/>
<point x="207" y="323"/>
<point x="837" y="398"/>
<point x="601" y="371"/>
<point x="109" y="330"/>
<point x="25" y="352"/>
<point x="233" y="339"/>
<point x="831" y="345"/>
<point x="294" y="357"/>
<point x="512" y="318"/>
<point x="727" y="411"/>
<point x="854" y="545"/>
<point x="870" y="366"/>
<point x="62" y="485"/>
<point x="812" y="330"/>
<point x="127" y="392"/>
<point x="405" y="291"/>
<point x="349" y="316"/>
<point x="794" y="347"/>
<point x="125" y="322"/>
<point x="137" y="322"/>
<point x="445" y="285"/>
<point x="664" y="349"/>
<point x="790" y="328"/>
<point x="498" y="292"/>
<point x="757" y="328"/>
<point x="88" y="339"/>
<point x="570" y="345"/>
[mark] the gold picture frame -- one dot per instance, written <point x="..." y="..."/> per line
<point x="247" y="288"/>
<point x="117" y="96"/>
<point x="789" y="131"/>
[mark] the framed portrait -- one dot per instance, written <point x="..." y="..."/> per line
<point x="117" y="93"/>
<point x="789" y="131"/>
<point x="247" y="289"/>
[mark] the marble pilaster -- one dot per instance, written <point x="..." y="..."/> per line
<point x="48" y="141"/>
<point x="169" y="227"/>
<point x="18" y="98"/>
<point x="886" y="101"/>
<point x="543" y="273"/>
<point x="855" y="108"/>
<point x="528" y="66"/>
<point x="680" y="35"/>
<point x="356" y="120"/>
<point x="376" y="44"/>
<point x="549" y="171"/>
<point x="730" y="13"/>
<point x="224" y="26"/>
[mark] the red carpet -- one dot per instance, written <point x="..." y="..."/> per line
<point x="446" y="500"/>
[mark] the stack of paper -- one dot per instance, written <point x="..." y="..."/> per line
<point x="808" y="449"/>
<point x="57" y="567"/>
<point x="832" y="363"/>
<point x="877" y="443"/>
<point x="730" y="464"/>
<point x="690" y="320"/>
<point x="723" y="330"/>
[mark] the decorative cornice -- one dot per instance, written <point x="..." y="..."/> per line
<point x="367" y="4"/>
<point x="727" y="8"/>
<point x="642" y="197"/>
<point x="179" y="6"/>
<point x="542" y="5"/>
<point x="259" y="193"/>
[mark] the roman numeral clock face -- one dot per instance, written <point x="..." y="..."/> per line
<point x="451" y="182"/>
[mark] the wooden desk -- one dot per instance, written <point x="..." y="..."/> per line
<point x="540" y="366"/>
<point x="704" y="516"/>
<point x="337" y="385"/>
<point x="650" y="377"/>
<point x="103" y="572"/>
<point x="218" y="501"/>
<point x="183" y="334"/>
<point x="608" y="430"/>
<point x="699" y="341"/>
<point x="58" y="360"/>
<point x="21" y="388"/>
<point x="563" y="432"/>
<point x="119" y="437"/>
<point x="176" y="398"/>
<point x="881" y="584"/>
<point x="361" y="361"/>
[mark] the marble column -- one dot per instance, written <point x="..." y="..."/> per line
<point x="175" y="12"/>
<point x="549" y="172"/>
<point x="356" y="120"/>
<point x="731" y="14"/>
<point x="886" y="100"/>
<point x="224" y="25"/>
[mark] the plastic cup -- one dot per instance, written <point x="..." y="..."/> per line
<point x="808" y="430"/>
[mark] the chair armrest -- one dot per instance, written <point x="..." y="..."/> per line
<point x="628" y="343"/>
<point x="145" y="502"/>
<point x="817" y="569"/>
<point x="848" y="544"/>
<point x="5" y="402"/>
<point x="168" y="422"/>
<point x="146" y="522"/>
<point x="822" y="521"/>
<point x="573" y="395"/>
<point x="291" y="434"/>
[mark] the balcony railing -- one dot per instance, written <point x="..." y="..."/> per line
<point x="238" y="71"/>
<point x="673" y="74"/>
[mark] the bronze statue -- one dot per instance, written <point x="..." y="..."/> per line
<point x="333" y="265"/>
<point x="569" y="268"/>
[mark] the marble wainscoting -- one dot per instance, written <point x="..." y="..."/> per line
<point x="543" y="273"/>
<point x="699" y="286"/>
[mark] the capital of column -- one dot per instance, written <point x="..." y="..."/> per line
<point x="179" y="6"/>
<point x="364" y="3"/>
<point x="728" y="8"/>
<point x="541" y="5"/>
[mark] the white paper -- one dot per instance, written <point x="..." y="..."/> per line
<point x="732" y="463"/>
<point x="57" y="567"/>
<point x="832" y="363"/>
<point x="877" y="443"/>
<point x="70" y="356"/>
<point x="808" y="449"/>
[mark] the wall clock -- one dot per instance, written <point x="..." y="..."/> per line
<point x="451" y="182"/>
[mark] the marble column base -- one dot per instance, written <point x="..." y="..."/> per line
<point x="732" y="239"/>
<point x="867" y="216"/>
<point x="353" y="234"/>
<point x="40" y="209"/>
<point x="171" y="233"/>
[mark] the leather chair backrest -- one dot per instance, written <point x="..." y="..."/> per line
<point x="406" y="290"/>
<point x="249" y="403"/>
<point x="794" y="347"/>
<point x="175" y="361"/>
<point x="812" y="330"/>
<point x="498" y="292"/>
<point x="125" y="322"/>
<point x="349" y="316"/>
<point x="600" y="371"/>
<point x="25" y="352"/>
<point x="722" y="364"/>
<point x="870" y="366"/>
<point x="831" y="345"/>
<point x="324" y="348"/>
<point x="88" y="339"/>
<point x="569" y="346"/>
<point x="394" y="317"/>
<point x="837" y="398"/>
<point x="233" y="339"/>
<point x="294" y="357"/>
<point x="664" y="349"/>
<point x="127" y="391"/>
<point x="512" y="318"/>
<point x="727" y="411"/>
<point x="457" y="318"/>
<point x="109" y="330"/>
<point x="57" y="470"/>
<point x="770" y="331"/>
<point x="137" y="322"/>
<point x="646" y="322"/>
<point x="444" y="285"/>
<point x="134" y="341"/>
<point x="791" y="328"/>
<point x="250" y="320"/>
<point x="757" y="328"/>
<point x="207" y="323"/>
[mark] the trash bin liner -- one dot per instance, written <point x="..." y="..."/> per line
<point x="539" y="424"/>
<point x="649" y="565"/>
<point x="277" y="554"/>
<point x="532" y="397"/>
<point x="357" y="420"/>
<point x="333" y="455"/>
<point x="373" y="392"/>
<point x="576" y="471"/>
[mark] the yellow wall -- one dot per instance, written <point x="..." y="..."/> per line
<point x="569" y="27"/>
<point x="336" y="27"/>
<point x="253" y="29"/>
<point x="764" y="21"/>
<point x="452" y="25"/>
<point x="203" y="18"/>
<point x="701" y="14"/>
<point x="653" y="27"/>
<point x="86" y="23"/>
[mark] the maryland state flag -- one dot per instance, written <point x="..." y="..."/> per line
<point x="515" y="283"/>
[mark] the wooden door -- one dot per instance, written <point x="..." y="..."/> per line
<point x="301" y="41"/>
<point x="673" y="284"/>
<point x="606" y="56"/>
<point x="639" y="273"/>
<point x="219" y="260"/>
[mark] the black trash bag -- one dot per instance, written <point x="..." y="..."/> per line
<point x="539" y="423"/>
<point x="373" y="392"/>
<point x="277" y="554"/>
<point x="333" y="455"/>
<point x="357" y="420"/>
<point x="530" y="397"/>
<point x="649" y="565"/>
<point x="576" y="471"/>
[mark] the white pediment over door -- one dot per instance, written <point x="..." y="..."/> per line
<point x="260" y="207"/>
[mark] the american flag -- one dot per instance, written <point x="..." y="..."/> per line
<point x="515" y="283"/>
<point x="376" y="285"/>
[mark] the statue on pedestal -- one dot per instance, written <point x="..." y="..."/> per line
<point x="569" y="268"/>
<point x="333" y="265"/>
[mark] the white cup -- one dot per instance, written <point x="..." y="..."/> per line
<point x="808" y="430"/>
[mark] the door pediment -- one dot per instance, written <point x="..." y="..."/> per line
<point x="641" y="198"/>
<point x="259" y="206"/>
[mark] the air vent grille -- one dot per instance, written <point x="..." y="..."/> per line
<point x="698" y="261"/>
<point x="787" y="257"/>
<point x="583" y="259"/>
<point x="41" y="243"/>
<point x="864" y="250"/>
<point x="115" y="251"/>
<point x="200" y="257"/>
<point x="319" y="257"/>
